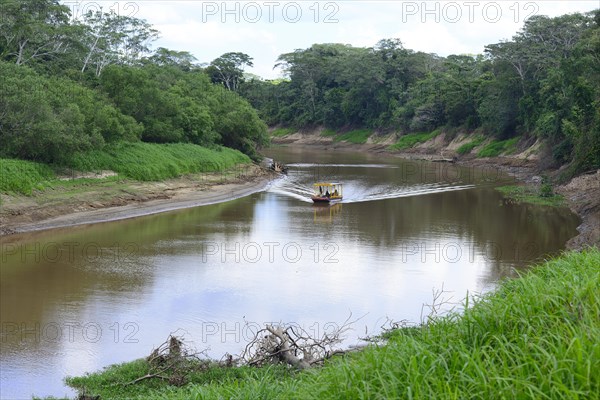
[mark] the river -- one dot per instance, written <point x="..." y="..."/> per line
<point x="77" y="299"/>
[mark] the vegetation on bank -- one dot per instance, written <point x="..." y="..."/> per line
<point x="280" y="132"/>
<point x="357" y="136"/>
<point x="497" y="147"/>
<point x="543" y="84"/>
<point x="155" y="162"/>
<point x="468" y="147"/>
<point x="139" y="161"/>
<point x="533" y="337"/>
<point x="412" y="139"/>
<point x="19" y="176"/>
<point x="543" y="196"/>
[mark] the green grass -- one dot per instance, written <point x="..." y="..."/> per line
<point x="156" y="162"/>
<point x="23" y="177"/>
<point x="410" y="140"/>
<point x="532" y="195"/>
<point x="498" y="147"/>
<point x="112" y="382"/>
<point x="357" y="136"/>
<point x="468" y="147"/>
<point x="279" y="132"/>
<point x="139" y="161"/>
<point x="328" y="132"/>
<point x="535" y="337"/>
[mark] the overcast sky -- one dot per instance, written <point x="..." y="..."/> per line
<point x="266" y="29"/>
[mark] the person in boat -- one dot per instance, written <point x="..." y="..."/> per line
<point x="335" y="193"/>
<point x="327" y="193"/>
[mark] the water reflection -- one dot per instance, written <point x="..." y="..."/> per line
<point x="75" y="300"/>
<point x="325" y="213"/>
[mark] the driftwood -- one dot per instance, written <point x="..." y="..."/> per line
<point x="173" y="361"/>
<point x="279" y="167"/>
<point x="445" y="158"/>
<point x="294" y="346"/>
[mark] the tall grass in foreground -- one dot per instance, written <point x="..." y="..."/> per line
<point x="536" y="337"/>
<point x="155" y="162"/>
<point x="19" y="176"/>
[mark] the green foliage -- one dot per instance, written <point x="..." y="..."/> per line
<point x="357" y="136"/>
<point x="544" y="196"/>
<point x="91" y="83"/>
<point x="228" y="69"/>
<point x="280" y="132"/>
<point x="112" y="382"/>
<point x="497" y="147"/>
<point x="23" y="177"/>
<point x="237" y="123"/>
<point x="47" y="119"/>
<point x="155" y="162"/>
<point x="410" y="140"/>
<point x="33" y="30"/>
<point x="546" y="188"/>
<point x="468" y="147"/>
<point x="328" y="132"/>
<point x="533" y="337"/>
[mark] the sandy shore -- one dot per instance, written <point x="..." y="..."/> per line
<point x="111" y="201"/>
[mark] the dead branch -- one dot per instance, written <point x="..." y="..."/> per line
<point x="294" y="346"/>
<point x="438" y="306"/>
<point x="173" y="360"/>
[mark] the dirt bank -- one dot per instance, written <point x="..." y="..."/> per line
<point x="582" y="193"/>
<point x="109" y="200"/>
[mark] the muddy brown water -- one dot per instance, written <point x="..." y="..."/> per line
<point x="77" y="299"/>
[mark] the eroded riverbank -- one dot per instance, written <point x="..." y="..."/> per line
<point x="582" y="192"/>
<point x="111" y="200"/>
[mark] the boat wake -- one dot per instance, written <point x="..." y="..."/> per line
<point x="355" y="192"/>
<point x="307" y="165"/>
<point x="373" y="194"/>
<point x="285" y="187"/>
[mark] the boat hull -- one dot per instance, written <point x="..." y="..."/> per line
<point x="324" y="199"/>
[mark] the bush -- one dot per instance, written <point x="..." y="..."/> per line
<point x="48" y="119"/>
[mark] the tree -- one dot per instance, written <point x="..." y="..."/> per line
<point x="228" y="69"/>
<point x="114" y="39"/>
<point x="173" y="58"/>
<point x="33" y="29"/>
<point x="48" y="119"/>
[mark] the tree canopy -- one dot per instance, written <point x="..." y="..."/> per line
<point x="71" y="85"/>
<point x="544" y="83"/>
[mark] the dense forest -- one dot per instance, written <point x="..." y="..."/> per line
<point x="544" y="83"/>
<point x="70" y="85"/>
